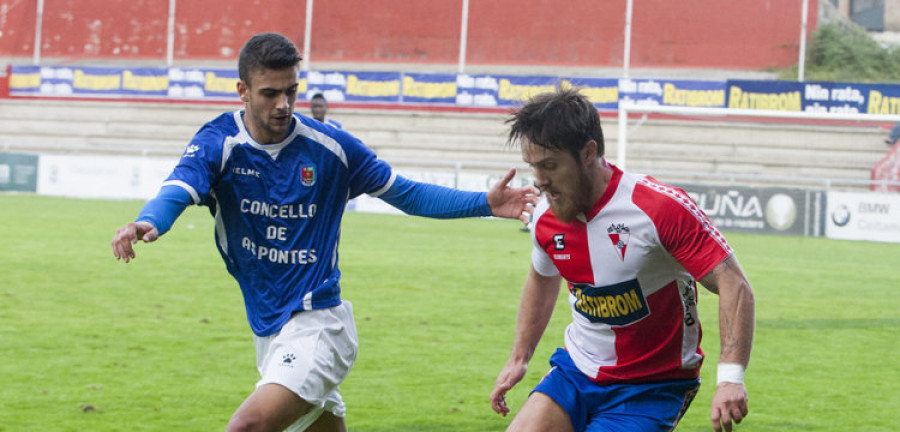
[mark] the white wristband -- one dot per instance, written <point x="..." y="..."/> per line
<point x="730" y="373"/>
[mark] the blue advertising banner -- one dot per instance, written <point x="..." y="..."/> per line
<point x="464" y="90"/>
<point x="145" y="81"/>
<point x="835" y="97"/>
<point x="477" y="90"/>
<point x="89" y="81"/>
<point x="96" y="81"/>
<point x="881" y="99"/>
<point x="765" y="95"/>
<point x="373" y="87"/>
<point x="191" y="83"/>
<point x="24" y="80"/>
<point x="330" y="84"/>
<point x="220" y="83"/>
<point x="602" y="92"/>
<point x="702" y="94"/>
<point x="815" y="96"/>
<point x="514" y="90"/>
<point x="429" y="88"/>
<point x="355" y="86"/>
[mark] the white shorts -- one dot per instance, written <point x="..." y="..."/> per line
<point x="310" y="356"/>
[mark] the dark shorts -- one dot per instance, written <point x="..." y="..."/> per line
<point x="618" y="407"/>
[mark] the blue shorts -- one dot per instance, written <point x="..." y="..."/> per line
<point x="615" y="407"/>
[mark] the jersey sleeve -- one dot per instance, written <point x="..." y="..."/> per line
<point x="684" y="229"/>
<point x="429" y="200"/>
<point x="199" y="165"/>
<point x="162" y="211"/>
<point x="367" y="173"/>
<point x="539" y="258"/>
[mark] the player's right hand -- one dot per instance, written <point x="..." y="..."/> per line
<point x="129" y="235"/>
<point x="509" y="377"/>
<point x="729" y="405"/>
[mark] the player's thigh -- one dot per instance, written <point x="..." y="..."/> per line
<point x="328" y="422"/>
<point x="311" y="356"/>
<point x="269" y="407"/>
<point x="540" y="413"/>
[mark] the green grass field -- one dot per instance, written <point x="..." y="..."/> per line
<point x="91" y="344"/>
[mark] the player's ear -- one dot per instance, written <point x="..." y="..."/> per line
<point x="589" y="152"/>
<point x="243" y="91"/>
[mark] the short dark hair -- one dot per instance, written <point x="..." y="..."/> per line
<point x="560" y="120"/>
<point x="318" y="96"/>
<point x="269" y="51"/>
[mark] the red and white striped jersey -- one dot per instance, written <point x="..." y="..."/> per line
<point x="631" y="264"/>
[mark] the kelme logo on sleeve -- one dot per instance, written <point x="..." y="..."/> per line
<point x="617" y="305"/>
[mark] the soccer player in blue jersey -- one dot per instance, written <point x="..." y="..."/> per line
<point x="277" y="184"/>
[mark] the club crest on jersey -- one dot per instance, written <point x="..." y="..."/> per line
<point x="308" y="175"/>
<point x="619" y="234"/>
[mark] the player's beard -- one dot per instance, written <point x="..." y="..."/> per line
<point x="577" y="200"/>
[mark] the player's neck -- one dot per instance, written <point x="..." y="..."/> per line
<point x="600" y="179"/>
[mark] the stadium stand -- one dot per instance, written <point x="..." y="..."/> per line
<point x="671" y="149"/>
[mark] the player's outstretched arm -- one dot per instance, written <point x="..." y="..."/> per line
<point x="429" y="200"/>
<point x="535" y="308"/>
<point x="512" y="203"/>
<point x="736" y="326"/>
<point x="128" y="235"/>
<point x="155" y="219"/>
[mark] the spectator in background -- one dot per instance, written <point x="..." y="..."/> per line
<point x="319" y="107"/>
<point x="893" y="135"/>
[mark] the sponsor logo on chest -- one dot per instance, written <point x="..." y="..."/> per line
<point x="619" y="304"/>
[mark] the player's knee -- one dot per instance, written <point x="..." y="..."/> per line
<point x="246" y="422"/>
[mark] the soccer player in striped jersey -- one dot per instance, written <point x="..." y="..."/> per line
<point x="277" y="183"/>
<point x="630" y="250"/>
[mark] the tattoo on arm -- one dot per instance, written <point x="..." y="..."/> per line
<point x="710" y="280"/>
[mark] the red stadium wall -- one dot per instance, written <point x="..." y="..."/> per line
<point x="386" y="30"/>
<point x="17" y="28"/>
<point x="746" y="34"/>
<point x="216" y="29"/>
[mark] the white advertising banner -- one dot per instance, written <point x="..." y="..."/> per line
<point x="117" y="177"/>
<point x="128" y="177"/>
<point x="863" y="216"/>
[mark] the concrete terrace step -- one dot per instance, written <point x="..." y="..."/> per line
<point x="132" y="112"/>
<point x="437" y="139"/>
<point x="776" y="156"/>
<point x="760" y="135"/>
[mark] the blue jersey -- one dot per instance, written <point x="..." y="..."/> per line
<point x="278" y="209"/>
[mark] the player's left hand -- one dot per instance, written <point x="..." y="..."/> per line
<point x="728" y="404"/>
<point x="511" y="374"/>
<point x="512" y="203"/>
<point x="130" y="234"/>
